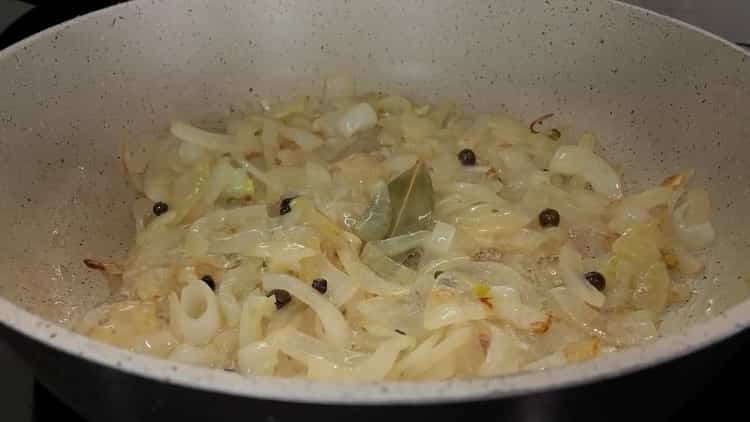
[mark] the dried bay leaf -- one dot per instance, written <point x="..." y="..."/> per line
<point x="377" y="221"/>
<point x="411" y="197"/>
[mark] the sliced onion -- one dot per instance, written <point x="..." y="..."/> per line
<point x="190" y="153"/>
<point x="340" y="289"/>
<point x="400" y="163"/>
<point x="412" y="367"/>
<point x="632" y="328"/>
<point x="258" y="358"/>
<point x="384" y="266"/>
<point x="650" y="198"/>
<point x="398" y="245"/>
<point x="697" y="236"/>
<point x="691" y="222"/>
<point x="254" y="309"/>
<point x="304" y="139"/>
<point x="687" y="263"/>
<point x="270" y="140"/>
<point x="336" y="328"/>
<point x="194" y="355"/>
<point x="285" y="109"/>
<point x="235" y="285"/>
<point x="305" y="348"/>
<point x="317" y="175"/>
<point x="394" y="105"/>
<point x="477" y="132"/>
<point x="578" y="312"/>
<point x="260" y="176"/>
<point x="581" y="351"/>
<point x="372" y="368"/>
<point x="420" y="354"/>
<point x="571" y="271"/>
<point x="393" y="313"/>
<point x="554" y="360"/>
<point x="426" y="277"/>
<point x="507" y="305"/>
<point x="356" y="118"/>
<point x="505" y="353"/>
<point x="366" y="278"/>
<point x="210" y="140"/>
<point x="380" y="363"/>
<point x="625" y="217"/>
<point x="452" y="301"/>
<point x="282" y="255"/>
<point x="471" y="193"/>
<point x="489" y="223"/>
<point x="573" y="160"/>
<point x="441" y="238"/>
<point x="195" y="315"/>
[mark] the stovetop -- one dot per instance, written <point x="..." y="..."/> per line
<point x="24" y="399"/>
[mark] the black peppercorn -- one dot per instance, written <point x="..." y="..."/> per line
<point x="282" y="297"/>
<point x="320" y="284"/>
<point x="160" y="208"/>
<point x="596" y="279"/>
<point x="549" y="218"/>
<point x="285" y="206"/>
<point x="467" y="157"/>
<point x="209" y="281"/>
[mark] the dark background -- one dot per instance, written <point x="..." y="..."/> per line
<point x="722" y="397"/>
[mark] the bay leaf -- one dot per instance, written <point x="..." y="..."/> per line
<point x="377" y="220"/>
<point x="411" y="197"/>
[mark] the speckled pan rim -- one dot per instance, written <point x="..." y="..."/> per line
<point x="690" y="340"/>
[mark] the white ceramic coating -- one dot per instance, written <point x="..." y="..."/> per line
<point x="660" y="95"/>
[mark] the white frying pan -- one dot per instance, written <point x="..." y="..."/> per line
<point x="661" y="95"/>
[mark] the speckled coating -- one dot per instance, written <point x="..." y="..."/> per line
<point x="661" y="96"/>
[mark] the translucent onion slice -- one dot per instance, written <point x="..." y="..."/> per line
<point x="366" y="278"/>
<point x="449" y="303"/>
<point x="553" y="360"/>
<point x="384" y="266"/>
<point x="573" y="160"/>
<point x="571" y="271"/>
<point x="631" y="328"/>
<point x="691" y="223"/>
<point x="398" y="245"/>
<point x="578" y="312"/>
<point x="304" y="139"/>
<point x="336" y="328"/>
<point x="340" y="288"/>
<point x="372" y="368"/>
<point x="305" y="348"/>
<point x="209" y="140"/>
<point x="258" y="358"/>
<point x="505" y="353"/>
<point x="195" y="315"/>
<point x="417" y="365"/>
<point x="391" y="313"/>
<point x="254" y="309"/>
<point x="507" y="305"/>
<point x="357" y="118"/>
<point x="441" y="238"/>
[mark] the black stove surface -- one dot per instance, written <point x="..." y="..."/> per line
<point x="722" y="397"/>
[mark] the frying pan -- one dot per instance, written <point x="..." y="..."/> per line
<point x="661" y="95"/>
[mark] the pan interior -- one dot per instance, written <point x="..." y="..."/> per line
<point x="74" y="94"/>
